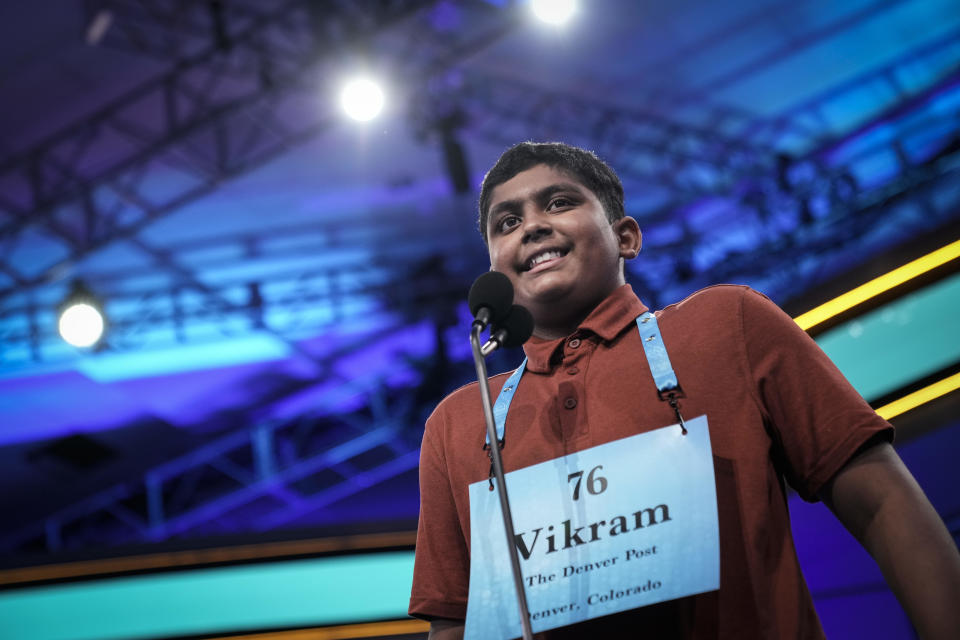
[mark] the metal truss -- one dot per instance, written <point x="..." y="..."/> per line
<point x="676" y="157"/>
<point x="387" y="265"/>
<point x="734" y="211"/>
<point x="246" y="97"/>
<point x="796" y="245"/>
<point x="200" y="123"/>
<point x="254" y="479"/>
<point x="173" y="30"/>
<point x="808" y="216"/>
<point x="211" y="117"/>
<point x="222" y="112"/>
<point x="714" y="157"/>
<point x="798" y="207"/>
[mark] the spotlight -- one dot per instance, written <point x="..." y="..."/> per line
<point x="81" y="319"/>
<point x="362" y="99"/>
<point x="555" y="12"/>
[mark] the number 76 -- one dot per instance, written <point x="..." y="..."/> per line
<point x="595" y="482"/>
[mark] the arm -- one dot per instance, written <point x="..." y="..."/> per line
<point x="441" y="570"/>
<point x="442" y="629"/>
<point x="879" y="502"/>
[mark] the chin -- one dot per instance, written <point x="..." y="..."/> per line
<point x="549" y="294"/>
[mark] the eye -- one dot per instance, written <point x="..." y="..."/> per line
<point x="560" y="202"/>
<point x="507" y="222"/>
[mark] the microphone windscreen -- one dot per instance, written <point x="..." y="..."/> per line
<point x="494" y="291"/>
<point x="518" y="325"/>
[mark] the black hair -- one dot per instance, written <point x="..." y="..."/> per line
<point x="580" y="164"/>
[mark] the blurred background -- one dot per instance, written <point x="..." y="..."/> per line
<point x="281" y="275"/>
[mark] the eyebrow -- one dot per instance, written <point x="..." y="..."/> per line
<point x="541" y="197"/>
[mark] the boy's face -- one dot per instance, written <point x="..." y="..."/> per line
<point x="550" y="235"/>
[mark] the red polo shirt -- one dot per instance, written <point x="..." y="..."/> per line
<point x="777" y="409"/>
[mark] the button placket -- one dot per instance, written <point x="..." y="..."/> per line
<point x="570" y="393"/>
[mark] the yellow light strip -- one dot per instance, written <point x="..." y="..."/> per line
<point x="343" y="632"/>
<point x="878" y="285"/>
<point x="919" y="397"/>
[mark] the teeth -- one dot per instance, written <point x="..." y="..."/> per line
<point x="542" y="257"/>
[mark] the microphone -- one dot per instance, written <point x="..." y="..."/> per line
<point x="490" y="298"/>
<point x="491" y="302"/>
<point x="515" y="329"/>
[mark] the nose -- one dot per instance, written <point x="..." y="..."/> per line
<point x="536" y="226"/>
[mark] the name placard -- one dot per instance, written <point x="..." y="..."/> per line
<point x="622" y="525"/>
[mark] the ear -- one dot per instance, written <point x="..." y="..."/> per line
<point x="629" y="237"/>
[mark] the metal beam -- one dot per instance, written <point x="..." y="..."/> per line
<point x="212" y="117"/>
<point x="290" y="302"/>
<point x="144" y="510"/>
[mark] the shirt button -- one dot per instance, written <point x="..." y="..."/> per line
<point x="574" y="343"/>
<point x="570" y="403"/>
<point x="573" y="371"/>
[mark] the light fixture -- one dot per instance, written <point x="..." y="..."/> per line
<point x="555" y="12"/>
<point x="362" y="99"/>
<point x="81" y="320"/>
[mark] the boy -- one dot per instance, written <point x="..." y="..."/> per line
<point x="553" y="220"/>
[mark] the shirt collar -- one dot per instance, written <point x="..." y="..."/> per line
<point x="607" y="320"/>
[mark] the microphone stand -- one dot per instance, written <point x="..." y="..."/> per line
<point x="481" y="365"/>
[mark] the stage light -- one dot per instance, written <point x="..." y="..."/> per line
<point x="81" y="319"/>
<point x="554" y="12"/>
<point x="362" y="99"/>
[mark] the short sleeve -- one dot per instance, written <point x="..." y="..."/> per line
<point x="441" y="571"/>
<point x="817" y="419"/>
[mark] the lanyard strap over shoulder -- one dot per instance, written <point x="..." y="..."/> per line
<point x="505" y="397"/>
<point x="668" y="388"/>
<point x="656" y="352"/>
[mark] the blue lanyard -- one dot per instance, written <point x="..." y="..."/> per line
<point x="653" y="347"/>
<point x="502" y="405"/>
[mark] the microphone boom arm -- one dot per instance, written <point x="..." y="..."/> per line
<point x="479" y="352"/>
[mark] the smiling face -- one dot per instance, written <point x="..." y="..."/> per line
<point x="550" y="235"/>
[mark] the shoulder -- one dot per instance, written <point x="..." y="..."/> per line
<point x="725" y="314"/>
<point x="722" y="304"/>
<point x="463" y="402"/>
<point x="457" y="421"/>
<point x="714" y="296"/>
<point x="723" y="297"/>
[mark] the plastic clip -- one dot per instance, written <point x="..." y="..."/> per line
<point x="671" y="396"/>
<point x="490" y="455"/>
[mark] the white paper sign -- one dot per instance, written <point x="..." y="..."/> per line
<point x="622" y="525"/>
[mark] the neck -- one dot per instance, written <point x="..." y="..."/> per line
<point x="551" y="327"/>
<point x="553" y="334"/>
<point x="559" y="318"/>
